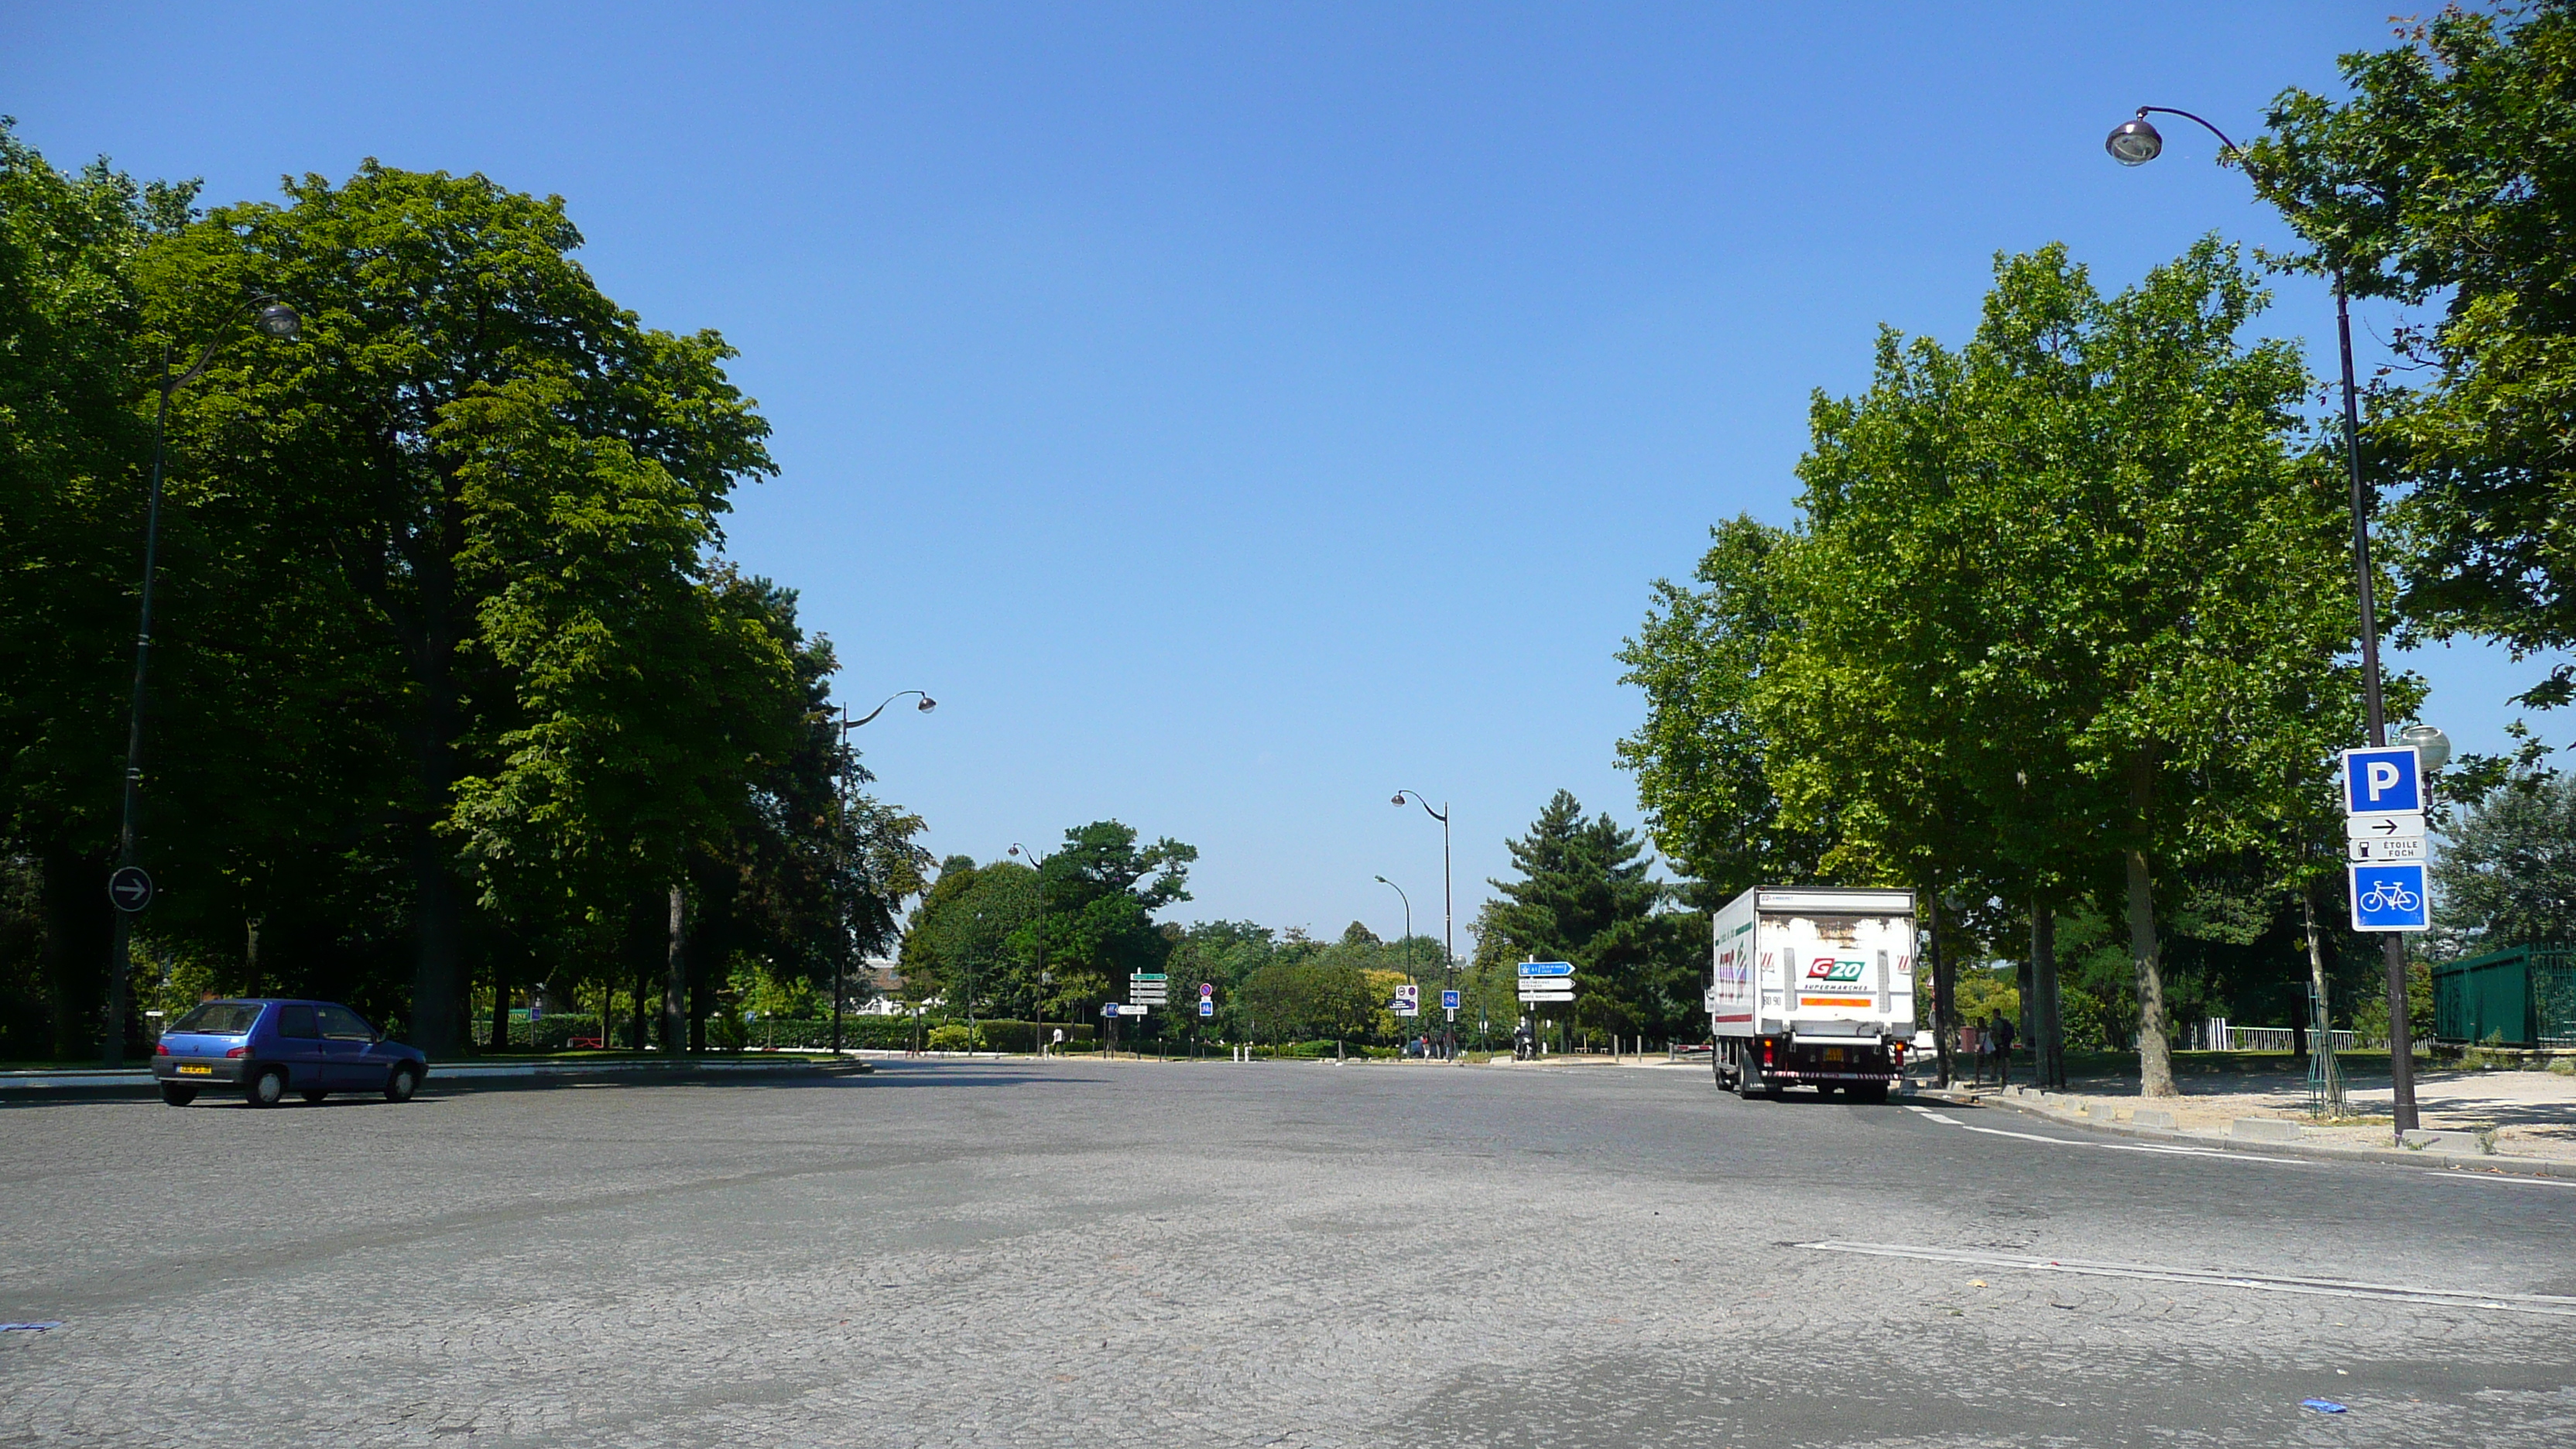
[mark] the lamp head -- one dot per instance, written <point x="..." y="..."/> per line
<point x="2134" y="142"/>
<point x="2431" y="745"/>
<point x="1382" y="880"/>
<point x="927" y="704"/>
<point x="275" y="319"/>
<point x="1399" y="798"/>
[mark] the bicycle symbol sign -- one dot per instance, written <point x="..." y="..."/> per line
<point x="2389" y="897"/>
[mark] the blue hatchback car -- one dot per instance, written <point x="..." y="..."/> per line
<point x="270" y="1047"/>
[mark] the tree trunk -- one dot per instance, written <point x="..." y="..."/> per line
<point x="250" y="957"/>
<point x="2316" y="964"/>
<point x="79" y="932"/>
<point x="675" y="981"/>
<point x="2155" y="1049"/>
<point x="501" y="1005"/>
<point x="1944" y="1033"/>
<point x="2048" y="1043"/>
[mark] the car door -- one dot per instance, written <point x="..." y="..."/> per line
<point x="346" y="1037"/>
<point x="299" y="1048"/>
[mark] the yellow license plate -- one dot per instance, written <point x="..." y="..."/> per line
<point x="189" y="1071"/>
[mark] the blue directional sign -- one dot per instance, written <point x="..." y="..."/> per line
<point x="1207" y="1007"/>
<point x="2382" y="781"/>
<point x="1449" y="1001"/>
<point x="2390" y="897"/>
<point x="1547" y="968"/>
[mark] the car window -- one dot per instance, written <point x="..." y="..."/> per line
<point x="342" y="1024"/>
<point x="297" y="1022"/>
<point x="218" y="1018"/>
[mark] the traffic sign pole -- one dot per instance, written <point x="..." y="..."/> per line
<point x="2384" y="787"/>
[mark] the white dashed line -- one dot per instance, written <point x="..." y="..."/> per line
<point x="2549" y="1304"/>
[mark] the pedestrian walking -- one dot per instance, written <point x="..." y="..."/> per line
<point x="2002" y="1032"/>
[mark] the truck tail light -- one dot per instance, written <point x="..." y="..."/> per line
<point x="239" y="1051"/>
<point x="1766" y="1055"/>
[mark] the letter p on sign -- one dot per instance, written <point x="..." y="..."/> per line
<point x="2382" y="781"/>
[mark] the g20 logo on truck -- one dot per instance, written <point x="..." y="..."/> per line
<point x="1830" y="971"/>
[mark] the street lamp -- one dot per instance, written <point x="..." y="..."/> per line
<point x="1408" y="927"/>
<point x="1448" y="940"/>
<point x="130" y="887"/>
<point x="1037" y="993"/>
<point x="849" y="762"/>
<point x="2135" y="142"/>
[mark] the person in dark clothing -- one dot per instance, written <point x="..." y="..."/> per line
<point x="2001" y="1032"/>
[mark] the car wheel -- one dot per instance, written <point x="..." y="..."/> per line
<point x="404" y="1082"/>
<point x="315" y="1096"/>
<point x="267" y="1087"/>
<point x="177" y="1095"/>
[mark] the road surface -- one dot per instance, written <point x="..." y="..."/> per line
<point x="1269" y="1254"/>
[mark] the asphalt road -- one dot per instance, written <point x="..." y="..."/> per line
<point x="1271" y="1254"/>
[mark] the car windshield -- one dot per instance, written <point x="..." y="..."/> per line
<point x="219" y="1018"/>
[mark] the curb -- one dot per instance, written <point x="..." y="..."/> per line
<point x="2320" y="1151"/>
<point x="28" y="1088"/>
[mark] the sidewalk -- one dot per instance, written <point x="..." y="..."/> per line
<point x="2525" y="1118"/>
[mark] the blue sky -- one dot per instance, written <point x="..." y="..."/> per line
<point x="1234" y="413"/>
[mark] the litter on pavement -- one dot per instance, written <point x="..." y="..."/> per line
<point x="50" y="1323"/>
<point x="2322" y="1406"/>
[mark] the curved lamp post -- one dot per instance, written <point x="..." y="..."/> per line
<point x="849" y="762"/>
<point x="1448" y="941"/>
<point x="1408" y="932"/>
<point x="2135" y="142"/>
<point x="130" y="888"/>
<point x="1037" y="993"/>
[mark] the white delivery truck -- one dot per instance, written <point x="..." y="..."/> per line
<point x="1813" y="987"/>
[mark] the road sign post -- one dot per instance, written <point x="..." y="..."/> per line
<point x="2384" y="798"/>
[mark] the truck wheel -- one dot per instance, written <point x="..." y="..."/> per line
<point x="1874" y="1093"/>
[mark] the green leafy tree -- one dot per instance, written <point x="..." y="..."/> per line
<point x="509" y="489"/>
<point x="1700" y="757"/>
<point x="1099" y="892"/>
<point x="2438" y="182"/>
<point x="2507" y="875"/>
<point x="967" y="943"/>
<point x="73" y="447"/>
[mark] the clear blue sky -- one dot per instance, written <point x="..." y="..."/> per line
<point x="1233" y="413"/>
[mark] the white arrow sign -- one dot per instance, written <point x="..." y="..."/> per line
<point x="2384" y="827"/>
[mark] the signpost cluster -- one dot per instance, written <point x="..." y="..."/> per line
<point x="2383" y="797"/>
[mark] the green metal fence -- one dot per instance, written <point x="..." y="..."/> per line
<point x="2524" y="996"/>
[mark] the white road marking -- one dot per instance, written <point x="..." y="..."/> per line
<point x="2500" y="1180"/>
<point x="2549" y="1304"/>
<point x="2153" y="1148"/>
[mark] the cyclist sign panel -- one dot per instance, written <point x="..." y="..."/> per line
<point x="2383" y="797"/>
<point x="2390" y="897"/>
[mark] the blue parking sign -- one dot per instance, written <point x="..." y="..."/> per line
<point x="2382" y="781"/>
<point x="2390" y="897"/>
<point x="1449" y="1001"/>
